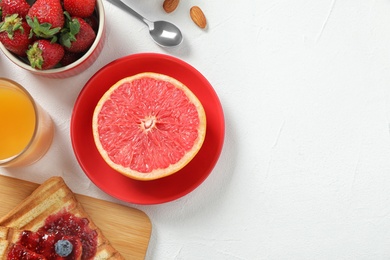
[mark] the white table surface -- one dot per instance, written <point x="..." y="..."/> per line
<point x="305" y="169"/>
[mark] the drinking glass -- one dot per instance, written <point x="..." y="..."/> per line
<point x="26" y="130"/>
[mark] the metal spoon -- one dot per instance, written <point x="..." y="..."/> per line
<point x="163" y="33"/>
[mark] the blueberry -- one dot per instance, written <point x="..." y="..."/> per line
<point x="63" y="248"/>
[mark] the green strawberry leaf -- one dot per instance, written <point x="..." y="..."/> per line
<point x="11" y="24"/>
<point x="34" y="55"/>
<point x="42" y="30"/>
<point x="70" y="30"/>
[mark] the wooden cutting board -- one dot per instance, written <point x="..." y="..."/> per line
<point x="127" y="228"/>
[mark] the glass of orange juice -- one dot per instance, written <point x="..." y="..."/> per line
<point x="26" y="130"/>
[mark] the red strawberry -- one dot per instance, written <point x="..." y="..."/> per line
<point x="45" y="55"/>
<point x="80" y="8"/>
<point x="79" y="35"/>
<point x="9" y="7"/>
<point x="44" y="15"/>
<point x="69" y="58"/>
<point x="93" y="22"/>
<point x="14" y="34"/>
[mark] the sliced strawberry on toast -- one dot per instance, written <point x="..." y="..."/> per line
<point x="40" y="245"/>
<point x="13" y="251"/>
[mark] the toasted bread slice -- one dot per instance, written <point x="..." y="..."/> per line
<point x="7" y="233"/>
<point x="53" y="203"/>
<point x="4" y="248"/>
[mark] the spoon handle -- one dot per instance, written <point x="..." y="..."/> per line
<point x="124" y="6"/>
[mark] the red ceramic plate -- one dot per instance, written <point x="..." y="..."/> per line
<point x="156" y="191"/>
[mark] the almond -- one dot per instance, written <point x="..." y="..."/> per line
<point x="198" y="16"/>
<point x="170" y="5"/>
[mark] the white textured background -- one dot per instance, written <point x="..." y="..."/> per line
<point x="305" y="169"/>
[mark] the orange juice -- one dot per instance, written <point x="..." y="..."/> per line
<point x="26" y="130"/>
<point x="17" y="121"/>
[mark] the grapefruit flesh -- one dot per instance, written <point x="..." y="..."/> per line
<point x="148" y="126"/>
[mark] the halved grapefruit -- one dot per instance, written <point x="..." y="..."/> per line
<point x="148" y="126"/>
